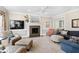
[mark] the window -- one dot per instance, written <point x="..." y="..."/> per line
<point x="1" y="23"/>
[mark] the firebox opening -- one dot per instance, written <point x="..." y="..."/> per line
<point x="34" y="30"/>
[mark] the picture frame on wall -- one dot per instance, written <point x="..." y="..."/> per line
<point x="75" y="23"/>
<point x="16" y="24"/>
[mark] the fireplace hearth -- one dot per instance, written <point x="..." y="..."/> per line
<point x="34" y="31"/>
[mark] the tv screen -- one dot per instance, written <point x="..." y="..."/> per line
<point x="16" y="24"/>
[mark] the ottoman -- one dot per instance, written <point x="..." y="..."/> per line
<point x="25" y="42"/>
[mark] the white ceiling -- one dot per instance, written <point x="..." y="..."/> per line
<point x="41" y="10"/>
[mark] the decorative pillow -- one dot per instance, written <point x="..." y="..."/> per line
<point x="74" y="39"/>
<point x="64" y="32"/>
<point x="56" y="32"/>
<point x="56" y="38"/>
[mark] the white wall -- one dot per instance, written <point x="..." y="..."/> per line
<point x="18" y="16"/>
<point x="67" y="17"/>
<point x="25" y="32"/>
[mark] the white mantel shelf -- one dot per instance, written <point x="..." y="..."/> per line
<point x="31" y="24"/>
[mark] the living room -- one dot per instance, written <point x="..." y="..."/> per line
<point x="39" y="29"/>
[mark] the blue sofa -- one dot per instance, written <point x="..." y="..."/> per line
<point x="73" y="33"/>
<point x="69" y="46"/>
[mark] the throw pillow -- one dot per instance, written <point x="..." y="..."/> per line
<point x="74" y="39"/>
<point x="56" y="38"/>
<point x="64" y="32"/>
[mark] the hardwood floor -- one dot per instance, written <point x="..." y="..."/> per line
<point x="44" y="45"/>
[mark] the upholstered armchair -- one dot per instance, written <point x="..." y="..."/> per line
<point x="50" y="32"/>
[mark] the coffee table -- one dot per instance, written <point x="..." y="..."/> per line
<point x="25" y="42"/>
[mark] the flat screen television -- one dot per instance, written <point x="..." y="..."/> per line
<point x="16" y="24"/>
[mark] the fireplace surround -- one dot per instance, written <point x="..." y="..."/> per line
<point x="34" y="31"/>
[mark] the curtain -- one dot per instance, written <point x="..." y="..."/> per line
<point x="2" y="21"/>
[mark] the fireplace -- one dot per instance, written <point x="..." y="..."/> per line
<point x="34" y="31"/>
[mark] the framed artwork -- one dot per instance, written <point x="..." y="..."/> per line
<point x="16" y="24"/>
<point x="75" y="23"/>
